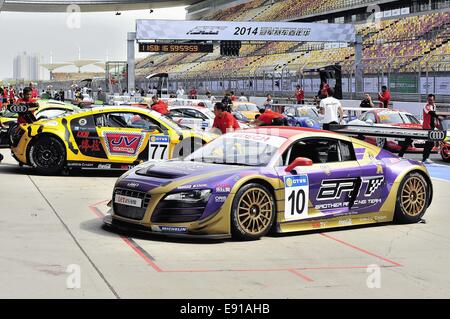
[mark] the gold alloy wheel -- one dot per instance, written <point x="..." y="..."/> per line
<point x="254" y="211"/>
<point x="413" y="196"/>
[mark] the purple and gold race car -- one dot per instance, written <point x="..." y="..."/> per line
<point x="247" y="183"/>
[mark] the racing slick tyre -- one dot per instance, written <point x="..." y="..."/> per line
<point x="412" y="199"/>
<point x="13" y="135"/>
<point x="47" y="155"/>
<point x="253" y="212"/>
<point x="187" y="147"/>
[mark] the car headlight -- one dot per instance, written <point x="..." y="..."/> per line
<point x="194" y="196"/>
<point x="309" y="123"/>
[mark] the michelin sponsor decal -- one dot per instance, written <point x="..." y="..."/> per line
<point x="169" y="229"/>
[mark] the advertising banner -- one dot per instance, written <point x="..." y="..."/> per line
<point x="404" y="83"/>
<point x="243" y="31"/>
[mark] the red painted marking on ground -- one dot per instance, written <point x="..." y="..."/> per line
<point x="141" y="253"/>
<point x="299" y="274"/>
<point x="97" y="212"/>
<point x="361" y="250"/>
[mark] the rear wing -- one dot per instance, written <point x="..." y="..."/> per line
<point x="362" y="131"/>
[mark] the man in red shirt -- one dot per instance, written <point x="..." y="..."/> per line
<point x="224" y="121"/>
<point x="159" y="106"/>
<point x="34" y="91"/>
<point x="384" y="97"/>
<point x="233" y="97"/>
<point x="300" y="95"/>
<point x="429" y="123"/>
<point x="32" y="105"/>
<point x="269" y="117"/>
<point x="193" y="93"/>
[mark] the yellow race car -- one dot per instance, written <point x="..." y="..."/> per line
<point x="111" y="137"/>
<point x="250" y="110"/>
<point x="47" y="110"/>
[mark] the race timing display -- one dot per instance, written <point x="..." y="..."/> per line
<point x="176" y="48"/>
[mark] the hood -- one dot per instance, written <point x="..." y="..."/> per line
<point x="184" y="175"/>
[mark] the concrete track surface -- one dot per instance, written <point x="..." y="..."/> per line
<point x="51" y="230"/>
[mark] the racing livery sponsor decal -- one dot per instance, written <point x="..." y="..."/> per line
<point x="169" y="229"/>
<point x="159" y="147"/>
<point x="123" y="144"/>
<point x="128" y="201"/>
<point x="296" y="197"/>
<point x="334" y="188"/>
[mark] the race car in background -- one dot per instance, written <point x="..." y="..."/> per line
<point x="249" y="110"/>
<point x="198" y="117"/>
<point x="103" y="138"/>
<point x="302" y="116"/>
<point x="391" y="118"/>
<point x="247" y="183"/>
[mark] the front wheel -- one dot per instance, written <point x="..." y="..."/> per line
<point x="47" y="155"/>
<point x="412" y="199"/>
<point x="253" y="212"/>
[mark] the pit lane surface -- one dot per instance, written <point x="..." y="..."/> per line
<point x="50" y="223"/>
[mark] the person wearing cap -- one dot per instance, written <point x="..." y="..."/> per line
<point x="159" y="105"/>
<point x="269" y="117"/>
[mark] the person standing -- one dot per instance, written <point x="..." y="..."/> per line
<point x="268" y="103"/>
<point x="299" y="95"/>
<point x="193" y="93"/>
<point x="331" y="108"/>
<point x="224" y="121"/>
<point x="180" y="92"/>
<point x="226" y="101"/>
<point x="242" y="98"/>
<point x="429" y="123"/>
<point x="384" y="97"/>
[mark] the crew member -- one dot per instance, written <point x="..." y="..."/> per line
<point x="224" y="121"/>
<point x="34" y="92"/>
<point x="299" y="95"/>
<point x="269" y="117"/>
<point x="429" y="123"/>
<point x="331" y="108"/>
<point x="384" y="97"/>
<point x="159" y="105"/>
<point x="28" y="100"/>
<point x="367" y="101"/>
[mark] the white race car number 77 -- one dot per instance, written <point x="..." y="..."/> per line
<point x="158" y="147"/>
<point x="296" y="197"/>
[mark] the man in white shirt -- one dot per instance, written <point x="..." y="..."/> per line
<point x="180" y="92"/>
<point x="331" y="109"/>
<point x="242" y="98"/>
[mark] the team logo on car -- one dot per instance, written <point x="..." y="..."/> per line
<point x="123" y="144"/>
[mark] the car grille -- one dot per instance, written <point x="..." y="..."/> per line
<point x="126" y="211"/>
<point x="177" y="212"/>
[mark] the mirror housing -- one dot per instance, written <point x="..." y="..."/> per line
<point x="299" y="161"/>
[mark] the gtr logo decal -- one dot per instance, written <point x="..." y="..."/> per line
<point x="123" y="144"/>
<point x="334" y="188"/>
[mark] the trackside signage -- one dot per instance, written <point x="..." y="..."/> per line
<point x="243" y="31"/>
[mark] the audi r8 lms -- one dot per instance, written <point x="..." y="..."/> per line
<point x="103" y="138"/>
<point x="250" y="110"/>
<point x="302" y="116"/>
<point x="47" y="109"/>
<point x="392" y="118"/>
<point x="247" y="183"/>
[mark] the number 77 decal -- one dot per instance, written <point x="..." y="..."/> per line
<point x="296" y="197"/>
<point x="159" y="147"/>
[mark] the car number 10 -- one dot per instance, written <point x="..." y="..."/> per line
<point x="296" y="197"/>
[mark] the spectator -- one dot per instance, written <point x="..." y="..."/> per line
<point x="367" y="101"/>
<point x="193" y="93"/>
<point x="172" y="95"/>
<point x="224" y="121"/>
<point x="180" y="92"/>
<point x="384" y="97"/>
<point x="34" y="92"/>
<point x="159" y="105"/>
<point x="101" y="96"/>
<point x="269" y="117"/>
<point x="242" y="98"/>
<point x="233" y="97"/>
<point x="268" y="103"/>
<point x="331" y="108"/>
<point x="299" y="95"/>
<point x="226" y="101"/>
<point x="429" y="123"/>
<point x="210" y="97"/>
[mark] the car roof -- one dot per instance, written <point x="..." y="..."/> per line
<point x="285" y="132"/>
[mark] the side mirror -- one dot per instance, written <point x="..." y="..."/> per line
<point x="299" y="161"/>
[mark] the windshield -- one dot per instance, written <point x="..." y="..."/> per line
<point x="390" y="118"/>
<point x="247" y="107"/>
<point x="410" y="119"/>
<point x="247" y="149"/>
